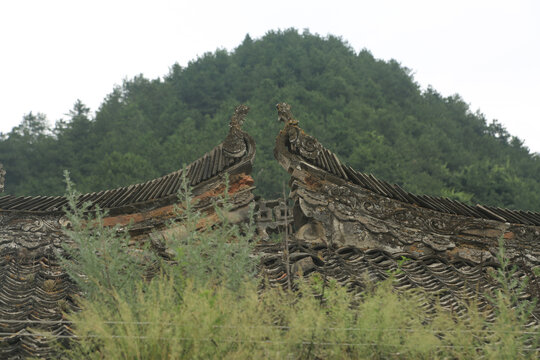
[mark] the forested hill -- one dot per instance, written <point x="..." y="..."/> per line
<point x="370" y="112"/>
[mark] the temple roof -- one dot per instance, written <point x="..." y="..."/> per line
<point x="305" y="148"/>
<point x="35" y="290"/>
<point x="349" y="224"/>
<point x="344" y="224"/>
<point x="234" y="154"/>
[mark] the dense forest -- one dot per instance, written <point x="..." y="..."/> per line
<point x="370" y="112"/>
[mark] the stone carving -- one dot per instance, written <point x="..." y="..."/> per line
<point x="272" y="217"/>
<point x="284" y="114"/>
<point x="41" y="223"/>
<point x="2" y="177"/>
<point x="299" y="142"/>
<point x="32" y="234"/>
<point x="234" y="145"/>
<point x="351" y="216"/>
<point x="340" y="212"/>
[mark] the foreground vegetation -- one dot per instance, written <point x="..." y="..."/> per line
<point x="370" y="112"/>
<point x="207" y="303"/>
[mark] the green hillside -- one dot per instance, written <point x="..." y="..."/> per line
<point x="370" y="112"/>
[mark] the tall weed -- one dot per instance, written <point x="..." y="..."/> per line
<point x="97" y="257"/>
<point x="209" y="305"/>
<point x="210" y="252"/>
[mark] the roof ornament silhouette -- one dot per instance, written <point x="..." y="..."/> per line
<point x="285" y="114"/>
<point x="234" y="145"/>
<point x="298" y="141"/>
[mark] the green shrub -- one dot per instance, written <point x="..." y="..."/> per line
<point x="215" y="321"/>
<point x="209" y="305"/>
<point x="211" y="252"/>
<point x="97" y="258"/>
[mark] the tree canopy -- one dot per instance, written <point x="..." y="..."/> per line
<point x="370" y="112"/>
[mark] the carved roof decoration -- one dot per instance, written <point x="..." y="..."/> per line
<point x="2" y="177"/>
<point x="234" y="145"/>
<point x="301" y="147"/>
<point x="272" y="217"/>
<point x="345" y="225"/>
<point x="348" y="224"/>
<point x="234" y="155"/>
<point x="35" y="290"/>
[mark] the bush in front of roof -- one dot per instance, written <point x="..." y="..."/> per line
<point x="97" y="257"/>
<point x="206" y="303"/>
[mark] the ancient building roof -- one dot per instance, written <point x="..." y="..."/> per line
<point x="305" y="148"/>
<point x="349" y="224"/>
<point x="455" y="284"/>
<point x="234" y="155"/>
<point x="344" y="224"/>
<point x="35" y="290"/>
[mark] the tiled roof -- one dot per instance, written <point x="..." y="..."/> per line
<point x="350" y="225"/>
<point x="34" y="293"/>
<point x="35" y="290"/>
<point x="311" y="151"/>
<point x="454" y="282"/>
<point x="344" y="224"/>
<point x="236" y="153"/>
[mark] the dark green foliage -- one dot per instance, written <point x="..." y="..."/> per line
<point x="370" y="112"/>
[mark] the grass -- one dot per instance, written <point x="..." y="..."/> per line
<point x="211" y="305"/>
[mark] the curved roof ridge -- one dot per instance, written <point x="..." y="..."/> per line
<point x="293" y="145"/>
<point x="236" y="152"/>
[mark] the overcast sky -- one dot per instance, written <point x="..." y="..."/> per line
<point x="54" y="52"/>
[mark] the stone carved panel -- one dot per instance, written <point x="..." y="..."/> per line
<point x="303" y="144"/>
<point x="351" y="216"/>
<point x="272" y="217"/>
<point x="32" y="236"/>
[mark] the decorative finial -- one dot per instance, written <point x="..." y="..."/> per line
<point x="2" y="178"/>
<point x="285" y="114"/>
<point x="239" y="116"/>
<point x="298" y="141"/>
<point x="234" y="145"/>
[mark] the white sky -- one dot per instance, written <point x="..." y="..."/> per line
<point x="53" y="52"/>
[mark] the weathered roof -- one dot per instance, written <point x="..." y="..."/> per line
<point x="344" y="224"/>
<point x="454" y="282"/>
<point x="35" y="290"/>
<point x="364" y="225"/>
<point x="34" y="293"/>
<point x="233" y="155"/>
<point x="312" y="152"/>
